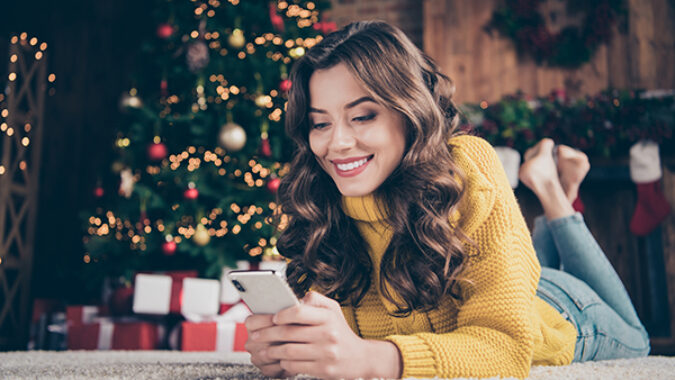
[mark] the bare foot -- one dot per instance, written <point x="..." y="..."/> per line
<point x="540" y="174"/>
<point x="539" y="171"/>
<point x="573" y="166"/>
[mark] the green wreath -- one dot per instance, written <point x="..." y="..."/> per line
<point x="572" y="46"/>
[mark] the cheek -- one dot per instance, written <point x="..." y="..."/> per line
<point x="315" y="144"/>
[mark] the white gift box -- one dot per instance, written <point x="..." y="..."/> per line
<point x="200" y="297"/>
<point x="152" y="294"/>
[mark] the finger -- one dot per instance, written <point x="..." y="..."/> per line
<point x="288" y="334"/>
<point x="317" y="299"/>
<point x="295" y="351"/>
<point x="272" y="370"/>
<point x="303" y="315"/>
<point x="257" y="322"/>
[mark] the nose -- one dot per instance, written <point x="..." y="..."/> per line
<point x="342" y="137"/>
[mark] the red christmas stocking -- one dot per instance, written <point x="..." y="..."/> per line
<point x="645" y="170"/>
<point x="651" y="209"/>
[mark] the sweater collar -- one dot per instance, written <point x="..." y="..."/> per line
<point x="366" y="208"/>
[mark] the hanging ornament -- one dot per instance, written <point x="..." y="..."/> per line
<point x="191" y="193"/>
<point x="232" y="137"/>
<point x="285" y="85"/>
<point x="277" y="21"/>
<point x="130" y="100"/>
<point x="201" y="236"/>
<point x="169" y="246"/>
<point x="126" y="183"/>
<point x="144" y="215"/>
<point x="165" y="30"/>
<point x="265" y="147"/>
<point x="236" y="39"/>
<point x="273" y="184"/>
<point x="99" y="192"/>
<point x="157" y="151"/>
<point x="164" y="88"/>
<point x="197" y="56"/>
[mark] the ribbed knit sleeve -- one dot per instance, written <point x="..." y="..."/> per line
<point x="494" y="335"/>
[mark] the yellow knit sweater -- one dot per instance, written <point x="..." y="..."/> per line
<point x="500" y="328"/>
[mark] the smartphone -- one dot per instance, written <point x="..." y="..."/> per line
<point x="263" y="291"/>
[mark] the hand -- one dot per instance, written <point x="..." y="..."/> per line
<point x="313" y="338"/>
<point x="269" y="367"/>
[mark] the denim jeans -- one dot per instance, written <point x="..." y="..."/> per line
<point x="579" y="282"/>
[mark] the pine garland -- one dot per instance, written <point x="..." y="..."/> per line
<point x="605" y="125"/>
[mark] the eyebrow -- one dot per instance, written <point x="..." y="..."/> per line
<point x="348" y="106"/>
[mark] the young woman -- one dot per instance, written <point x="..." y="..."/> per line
<point x="407" y="242"/>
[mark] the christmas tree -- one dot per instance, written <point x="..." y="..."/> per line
<point x="203" y="148"/>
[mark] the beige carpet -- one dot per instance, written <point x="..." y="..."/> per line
<point x="190" y="365"/>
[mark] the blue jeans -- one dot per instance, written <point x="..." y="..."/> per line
<point x="587" y="291"/>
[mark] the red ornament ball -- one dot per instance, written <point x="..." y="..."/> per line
<point x="265" y="148"/>
<point x="285" y="85"/>
<point x="98" y="192"/>
<point x="169" y="248"/>
<point x="164" y="31"/>
<point x="157" y="151"/>
<point x="191" y="194"/>
<point x="273" y="185"/>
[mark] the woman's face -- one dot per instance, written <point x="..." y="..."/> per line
<point x="356" y="141"/>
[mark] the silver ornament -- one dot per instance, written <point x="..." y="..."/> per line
<point x="232" y="137"/>
<point x="197" y="56"/>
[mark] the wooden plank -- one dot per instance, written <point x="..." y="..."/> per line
<point x="486" y="68"/>
<point x="668" y="230"/>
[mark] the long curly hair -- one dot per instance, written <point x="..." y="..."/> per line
<point x="425" y="256"/>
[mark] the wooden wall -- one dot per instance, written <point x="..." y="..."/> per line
<point x="485" y="67"/>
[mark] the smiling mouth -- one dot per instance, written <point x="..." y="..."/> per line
<point x="352" y="168"/>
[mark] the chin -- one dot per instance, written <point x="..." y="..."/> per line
<point x="354" y="191"/>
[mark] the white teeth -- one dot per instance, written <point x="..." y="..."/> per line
<point x="352" y="165"/>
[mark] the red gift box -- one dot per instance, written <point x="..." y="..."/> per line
<point x="80" y="314"/>
<point x="43" y="306"/>
<point x="107" y="335"/>
<point x="222" y="336"/>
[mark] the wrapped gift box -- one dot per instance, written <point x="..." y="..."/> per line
<point x="200" y="297"/>
<point x="159" y="293"/>
<point x="105" y="334"/>
<point x="224" y="333"/>
<point x="221" y="336"/>
<point x="79" y="314"/>
<point x="46" y="312"/>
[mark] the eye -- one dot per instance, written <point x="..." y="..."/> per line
<point x="319" y="125"/>
<point x="365" y="118"/>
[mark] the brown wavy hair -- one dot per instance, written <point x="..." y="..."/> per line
<point x="425" y="256"/>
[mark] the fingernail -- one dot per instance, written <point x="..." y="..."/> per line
<point x="255" y="335"/>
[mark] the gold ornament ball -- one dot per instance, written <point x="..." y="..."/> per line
<point x="236" y="39"/>
<point x="232" y="137"/>
<point x="201" y="237"/>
